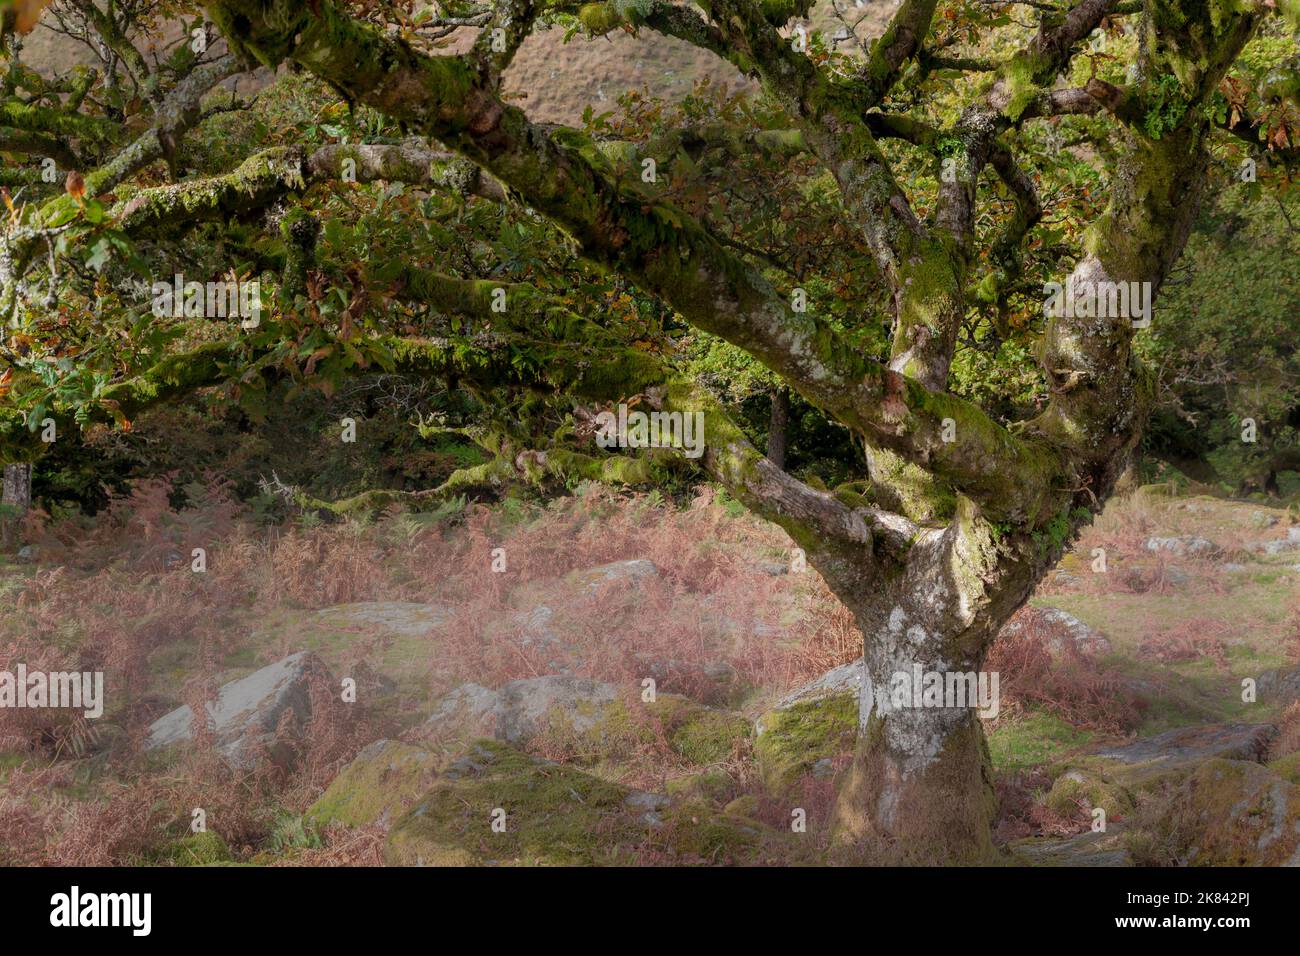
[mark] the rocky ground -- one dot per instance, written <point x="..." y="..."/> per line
<point x="556" y="81"/>
<point x="1149" y="710"/>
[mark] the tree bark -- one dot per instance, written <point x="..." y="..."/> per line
<point x="778" y="431"/>
<point x="920" y="788"/>
<point x="16" y="498"/>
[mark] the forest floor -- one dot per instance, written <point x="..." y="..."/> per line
<point x="609" y="679"/>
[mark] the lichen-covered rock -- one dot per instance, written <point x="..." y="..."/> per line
<point x="401" y="618"/>
<point x="1281" y="545"/>
<point x="1280" y="686"/>
<point x="1088" y="849"/>
<point x="1262" y="520"/>
<point x="1183" y="545"/>
<point x="1144" y="762"/>
<point x="846" y="679"/>
<point x="1226" y="813"/>
<point x="246" y="714"/>
<point x="588" y="720"/>
<point x="1059" y="629"/>
<point x="1276" y="547"/>
<point x="535" y="627"/>
<point x="518" y="711"/>
<point x="629" y="573"/>
<point x="469" y="710"/>
<point x="523" y="705"/>
<point x="381" y="783"/>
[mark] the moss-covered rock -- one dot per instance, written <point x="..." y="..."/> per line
<point x="1225" y="813"/>
<point x="1151" y="762"/>
<point x="743" y="806"/>
<point x="380" y="784"/>
<point x="555" y="815"/>
<point x="699" y="735"/>
<point x="1078" y="790"/>
<point x="618" y="573"/>
<point x="550" y="813"/>
<point x="793" y="740"/>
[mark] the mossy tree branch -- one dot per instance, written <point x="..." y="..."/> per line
<point x="668" y="253"/>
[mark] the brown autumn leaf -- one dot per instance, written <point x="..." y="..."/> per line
<point x="75" y="185"/>
<point x="28" y="12"/>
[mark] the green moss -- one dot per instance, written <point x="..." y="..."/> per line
<point x="553" y="815"/>
<point x="700" y="735"/>
<point x="1165" y="106"/>
<point x="931" y="295"/>
<point x="697" y="831"/>
<point x="1076" y="789"/>
<point x="1033" y="740"/>
<point x="197" y="849"/>
<point x="745" y="806"/>
<point x="710" y="786"/>
<point x="1287" y="767"/>
<point x="912" y="490"/>
<point x="599" y="18"/>
<point x="1020" y="74"/>
<point x="794" y="739"/>
<point x="382" y="783"/>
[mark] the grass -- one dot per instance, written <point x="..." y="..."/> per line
<point x="1033" y="740"/>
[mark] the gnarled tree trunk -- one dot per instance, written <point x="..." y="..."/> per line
<point x="920" y="789"/>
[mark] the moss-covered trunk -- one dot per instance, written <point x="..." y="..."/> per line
<point x="920" y="788"/>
